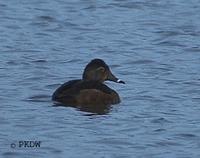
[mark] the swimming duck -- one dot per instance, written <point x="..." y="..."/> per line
<point x="90" y="90"/>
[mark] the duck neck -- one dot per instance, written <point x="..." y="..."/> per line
<point x="91" y="80"/>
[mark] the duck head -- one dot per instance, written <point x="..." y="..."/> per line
<point x="98" y="70"/>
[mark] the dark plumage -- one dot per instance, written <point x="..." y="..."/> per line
<point x="90" y="90"/>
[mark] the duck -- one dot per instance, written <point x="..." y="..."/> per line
<point x="91" y="89"/>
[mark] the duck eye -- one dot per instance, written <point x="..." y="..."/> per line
<point x="102" y="69"/>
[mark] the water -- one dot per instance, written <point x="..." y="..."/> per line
<point x="152" y="45"/>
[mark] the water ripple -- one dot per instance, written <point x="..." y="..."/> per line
<point x="39" y="98"/>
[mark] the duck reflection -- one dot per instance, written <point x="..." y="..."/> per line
<point x="90" y="109"/>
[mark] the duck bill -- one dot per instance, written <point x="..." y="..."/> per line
<point x="112" y="77"/>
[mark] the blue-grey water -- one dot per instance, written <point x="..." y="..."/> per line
<point x="153" y="45"/>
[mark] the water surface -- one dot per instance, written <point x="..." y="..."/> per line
<point x="152" y="45"/>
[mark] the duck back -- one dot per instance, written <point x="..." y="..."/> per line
<point x="81" y="93"/>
